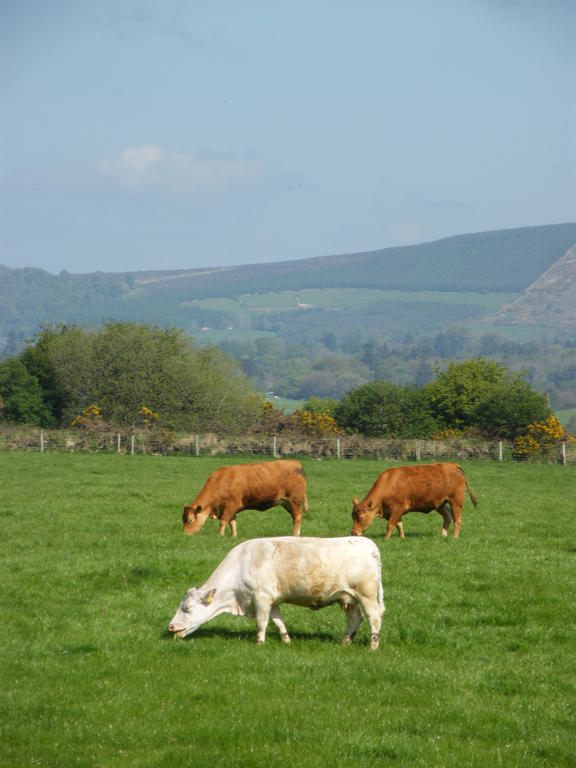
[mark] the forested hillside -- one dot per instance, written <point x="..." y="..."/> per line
<point x="505" y="262"/>
<point x="502" y="261"/>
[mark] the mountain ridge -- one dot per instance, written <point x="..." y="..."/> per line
<point x="532" y="264"/>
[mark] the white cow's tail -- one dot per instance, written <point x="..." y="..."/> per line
<point x="378" y="559"/>
<point x="381" y="596"/>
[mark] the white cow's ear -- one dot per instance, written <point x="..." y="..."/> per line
<point x="207" y="599"/>
<point x="191" y="592"/>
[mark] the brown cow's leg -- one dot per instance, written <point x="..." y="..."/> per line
<point x="295" y="509"/>
<point x="457" y="512"/>
<point x="445" y="510"/>
<point x="227" y="518"/>
<point x="456" y="504"/>
<point x="392" y="522"/>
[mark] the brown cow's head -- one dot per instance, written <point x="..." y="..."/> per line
<point x="362" y="515"/>
<point x="194" y="518"/>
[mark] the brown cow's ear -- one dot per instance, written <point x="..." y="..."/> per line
<point x="355" y="501"/>
<point x="369" y="504"/>
<point x="207" y="599"/>
<point x="197" y="510"/>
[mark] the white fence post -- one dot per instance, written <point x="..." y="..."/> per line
<point x="338" y="447"/>
<point x="41" y="441"/>
<point x="197" y="445"/>
<point x="132" y="446"/>
<point x="418" y="454"/>
<point x="118" y="442"/>
<point x="500" y="452"/>
<point x="274" y="447"/>
<point x="564" y="453"/>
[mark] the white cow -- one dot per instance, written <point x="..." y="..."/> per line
<point x="258" y="575"/>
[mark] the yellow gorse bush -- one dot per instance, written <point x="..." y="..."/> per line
<point x="541" y="436"/>
<point x="89" y="417"/>
<point x="318" y="424"/>
<point x="147" y="417"/>
<point x="447" y="434"/>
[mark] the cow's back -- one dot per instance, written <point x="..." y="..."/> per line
<point x="305" y="568"/>
<point x="258" y="480"/>
<point x="426" y="479"/>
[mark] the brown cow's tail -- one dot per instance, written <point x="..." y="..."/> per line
<point x="473" y="498"/>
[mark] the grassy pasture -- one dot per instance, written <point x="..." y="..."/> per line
<point x="350" y="298"/>
<point x="476" y="665"/>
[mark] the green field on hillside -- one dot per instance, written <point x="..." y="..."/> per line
<point x="348" y="298"/>
<point x="475" y="666"/>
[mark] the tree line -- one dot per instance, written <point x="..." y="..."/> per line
<point x="334" y="365"/>
<point x="136" y="375"/>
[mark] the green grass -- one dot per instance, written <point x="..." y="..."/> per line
<point x="476" y="665"/>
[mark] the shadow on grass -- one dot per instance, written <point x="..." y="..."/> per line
<point x="243" y="634"/>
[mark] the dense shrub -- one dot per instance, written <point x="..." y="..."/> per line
<point x="120" y="367"/>
<point x="383" y="409"/>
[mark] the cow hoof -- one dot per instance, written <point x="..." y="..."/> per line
<point x="374" y="642"/>
<point x="346" y="640"/>
<point x="286" y="639"/>
<point x="444" y="532"/>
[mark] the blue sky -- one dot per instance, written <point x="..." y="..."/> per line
<point x="155" y="134"/>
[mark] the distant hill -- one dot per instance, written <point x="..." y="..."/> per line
<point x="505" y="260"/>
<point x="551" y="299"/>
<point x="531" y="267"/>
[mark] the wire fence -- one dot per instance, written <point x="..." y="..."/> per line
<point x="275" y="446"/>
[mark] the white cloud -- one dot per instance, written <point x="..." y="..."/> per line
<point x="150" y="167"/>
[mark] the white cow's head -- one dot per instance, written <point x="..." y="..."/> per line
<point x="193" y="611"/>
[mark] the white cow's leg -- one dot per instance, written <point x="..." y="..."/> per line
<point x="276" y="617"/>
<point x="373" y="611"/>
<point x="262" y="614"/>
<point x="353" y="621"/>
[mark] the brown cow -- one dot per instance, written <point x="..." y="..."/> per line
<point x="420" y="488"/>
<point x="229" y="490"/>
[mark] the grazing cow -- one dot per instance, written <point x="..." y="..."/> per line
<point x="258" y="575"/>
<point x="419" y="488"/>
<point x="229" y="490"/>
